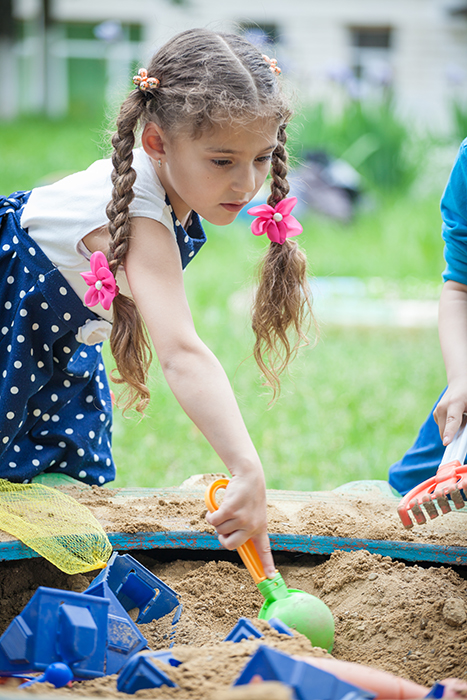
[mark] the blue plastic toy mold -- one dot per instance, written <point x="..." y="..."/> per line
<point x="244" y="629"/>
<point x="280" y="626"/>
<point x="91" y="632"/>
<point x="57" y="626"/>
<point x="123" y="637"/>
<point x="307" y="682"/>
<point x="136" y="587"/>
<point x="127" y="584"/>
<point x="141" y="672"/>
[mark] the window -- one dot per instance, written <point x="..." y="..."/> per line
<point x="261" y="35"/>
<point x="371" y="49"/>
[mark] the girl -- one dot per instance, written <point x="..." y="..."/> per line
<point x="212" y="121"/>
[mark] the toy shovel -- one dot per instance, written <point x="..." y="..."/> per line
<point x="449" y="480"/>
<point x="299" y="610"/>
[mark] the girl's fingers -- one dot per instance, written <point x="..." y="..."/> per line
<point x="452" y="425"/>
<point x="228" y="527"/>
<point x="232" y="540"/>
<point x="263" y="547"/>
<point x="215" y="519"/>
<point x="449" y="419"/>
<point x="233" y="531"/>
<point x="231" y="537"/>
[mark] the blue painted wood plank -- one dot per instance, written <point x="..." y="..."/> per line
<point x="305" y="544"/>
<point x="183" y="539"/>
<point x="410" y="551"/>
<point x="16" y="550"/>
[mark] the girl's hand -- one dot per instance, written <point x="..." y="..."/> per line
<point x="242" y="516"/>
<point x="449" y="412"/>
<point x="453" y="336"/>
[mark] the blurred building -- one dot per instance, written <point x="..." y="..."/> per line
<point x="80" y="54"/>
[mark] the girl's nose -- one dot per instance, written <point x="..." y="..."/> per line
<point x="244" y="180"/>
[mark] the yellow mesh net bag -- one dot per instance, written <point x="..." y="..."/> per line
<point x="54" y="525"/>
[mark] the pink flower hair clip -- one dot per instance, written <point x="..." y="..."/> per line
<point x="277" y="222"/>
<point x="103" y="288"/>
<point x="143" y="82"/>
<point x="272" y="64"/>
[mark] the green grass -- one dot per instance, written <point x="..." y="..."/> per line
<point x="398" y="239"/>
<point x="34" y="150"/>
<point x="351" y="405"/>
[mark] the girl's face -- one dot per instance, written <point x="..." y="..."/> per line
<point x="218" y="173"/>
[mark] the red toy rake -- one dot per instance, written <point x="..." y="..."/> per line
<point x="450" y="480"/>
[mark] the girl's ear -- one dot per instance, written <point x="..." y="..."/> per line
<point x="153" y="140"/>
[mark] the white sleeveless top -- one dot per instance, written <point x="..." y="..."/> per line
<point x="60" y="215"/>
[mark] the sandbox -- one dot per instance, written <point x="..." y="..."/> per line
<point x="399" y="598"/>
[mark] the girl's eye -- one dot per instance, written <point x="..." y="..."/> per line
<point x="224" y="162"/>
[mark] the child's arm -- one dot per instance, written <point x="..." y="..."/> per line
<point x="199" y="383"/>
<point x="453" y="338"/>
<point x="453" y="303"/>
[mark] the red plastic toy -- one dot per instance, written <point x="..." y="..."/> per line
<point x="449" y="481"/>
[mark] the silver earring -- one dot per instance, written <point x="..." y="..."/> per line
<point x="159" y="163"/>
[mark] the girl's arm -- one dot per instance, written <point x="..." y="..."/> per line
<point x="199" y="384"/>
<point x="453" y="337"/>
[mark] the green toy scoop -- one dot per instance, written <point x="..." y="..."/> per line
<point x="299" y="610"/>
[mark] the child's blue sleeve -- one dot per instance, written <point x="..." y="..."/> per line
<point x="454" y="215"/>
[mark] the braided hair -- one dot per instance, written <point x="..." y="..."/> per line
<point x="283" y="298"/>
<point x="129" y="341"/>
<point x="205" y="79"/>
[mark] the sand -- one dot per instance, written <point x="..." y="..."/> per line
<point x="408" y="619"/>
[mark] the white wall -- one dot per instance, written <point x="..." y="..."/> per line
<point x="428" y="42"/>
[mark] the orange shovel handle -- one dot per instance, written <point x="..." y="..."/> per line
<point x="247" y="551"/>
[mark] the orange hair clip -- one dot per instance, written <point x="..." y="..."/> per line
<point x="143" y="82"/>
<point x="272" y="64"/>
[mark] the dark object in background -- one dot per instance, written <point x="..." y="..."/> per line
<point x="7" y="25"/>
<point x="327" y="185"/>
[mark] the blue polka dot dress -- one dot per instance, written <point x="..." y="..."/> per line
<point x="55" y="403"/>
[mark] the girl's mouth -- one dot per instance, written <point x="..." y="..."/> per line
<point x="234" y="207"/>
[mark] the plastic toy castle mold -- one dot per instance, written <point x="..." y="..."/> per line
<point x="244" y="629"/>
<point x="176" y="618"/>
<point x="123" y="637"/>
<point x="280" y="626"/>
<point x="307" y="682"/>
<point x="136" y="587"/>
<point x="141" y="672"/>
<point x="57" y="626"/>
<point x="128" y="585"/>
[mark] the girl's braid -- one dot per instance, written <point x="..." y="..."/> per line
<point x="129" y="341"/>
<point x="123" y="178"/>
<point x="279" y="185"/>
<point x="283" y="299"/>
